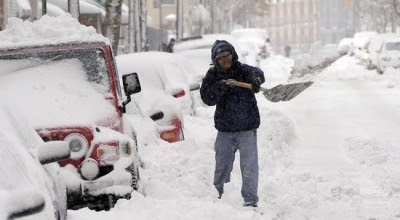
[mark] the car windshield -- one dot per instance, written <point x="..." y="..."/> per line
<point x="393" y="46"/>
<point x="91" y="60"/>
<point x="58" y="88"/>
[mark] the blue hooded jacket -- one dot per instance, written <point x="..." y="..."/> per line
<point x="236" y="108"/>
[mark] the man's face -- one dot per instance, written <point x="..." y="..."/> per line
<point x="225" y="62"/>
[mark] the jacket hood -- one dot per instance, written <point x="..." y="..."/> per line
<point x="219" y="44"/>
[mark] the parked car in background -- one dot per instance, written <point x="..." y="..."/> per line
<point x="361" y="42"/>
<point x="198" y="50"/>
<point x="167" y="81"/>
<point x="30" y="185"/>
<point x="253" y="43"/>
<point x="375" y="47"/>
<point x="389" y="55"/>
<point x="66" y="85"/>
<point x="348" y="43"/>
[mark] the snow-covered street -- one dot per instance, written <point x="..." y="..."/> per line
<point x="330" y="153"/>
<point x="111" y="109"/>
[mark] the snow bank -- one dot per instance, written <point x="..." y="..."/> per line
<point x="47" y="30"/>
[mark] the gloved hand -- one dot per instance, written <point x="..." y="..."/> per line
<point x="256" y="83"/>
<point x="224" y="85"/>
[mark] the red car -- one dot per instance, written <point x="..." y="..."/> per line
<point x="72" y="92"/>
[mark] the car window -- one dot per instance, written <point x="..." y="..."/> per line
<point x="393" y="46"/>
<point x="92" y="62"/>
<point x="62" y="90"/>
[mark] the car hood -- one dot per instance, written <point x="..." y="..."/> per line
<point x="55" y="94"/>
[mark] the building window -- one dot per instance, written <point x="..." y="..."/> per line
<point x="156" y="3"/>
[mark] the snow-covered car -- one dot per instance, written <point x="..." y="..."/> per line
<point x="253" y="42"/>
<point x="198" y="51"/>
<point x="30" y="183"/>
<point x="360" y="44"/>
<point x="389" y="55"/>
<point x="375" y="47"/>
<point x="63" y="79"/>
<point x="166" y="87"/>
<point x="346" y="42"/>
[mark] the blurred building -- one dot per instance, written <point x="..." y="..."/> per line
<point x="3" y="12"/>
<point x="195" y="14"/>
<point x="292" y="24"/>
<point x="336" y="20"/>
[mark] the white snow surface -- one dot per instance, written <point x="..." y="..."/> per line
<point x="330" y="153"/>
<point x="47" y="30"/>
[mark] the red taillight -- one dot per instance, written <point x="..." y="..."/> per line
<point x="168" y="136"/>
<point x="173" y="135"/>
<point x="179" y="93"/>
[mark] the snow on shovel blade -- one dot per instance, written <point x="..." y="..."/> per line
<point x="280" y="92"/>
<point x="285" y="92"/>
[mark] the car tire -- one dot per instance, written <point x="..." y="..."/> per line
<point x="181" y="135"/>
<point x="134" y="138"/>
<point x="134" y="171"/>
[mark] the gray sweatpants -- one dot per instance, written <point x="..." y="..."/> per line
<point x="226" y="145"/>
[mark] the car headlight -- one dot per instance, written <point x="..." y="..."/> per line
<point x="78" y="145"/>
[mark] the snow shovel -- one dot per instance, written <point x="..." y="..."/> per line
<point x="281" y="92"/>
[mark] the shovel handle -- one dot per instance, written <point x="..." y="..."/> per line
<point x="242" y="84"/>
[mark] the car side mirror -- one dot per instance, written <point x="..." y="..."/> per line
<point x="157" y="116"/>
<point x="19" y="205"/>
<point x="178" y="93"/>
<point x="54" y="151"/>
<point x="194" y="86"/>
<point x="131" y="85"/>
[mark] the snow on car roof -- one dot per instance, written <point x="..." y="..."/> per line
<point x="202" y="42"/>
<point x="253" y="33"/>
<point x="47" y="30"/>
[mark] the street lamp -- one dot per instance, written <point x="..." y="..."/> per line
<point x="396" y="6"/>
<point x="160" y="20"/>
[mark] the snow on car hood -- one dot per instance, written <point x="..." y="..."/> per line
<point x="55" y="94"/>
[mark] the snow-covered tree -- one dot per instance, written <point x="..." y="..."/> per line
<point x="378" y="15"/>
<point x="137" y="25"/>
<point x="112" y="22"/>
<point x="230" y="12"/>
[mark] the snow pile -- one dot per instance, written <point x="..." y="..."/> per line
<point x="392" y="79"/>
<point x="319" y="57"/>
<point x="347" y="68"/>
<point x="47" y="30"/>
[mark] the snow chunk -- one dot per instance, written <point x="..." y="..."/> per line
<point x="317" y="59"/>
<point x="47" y="30"/>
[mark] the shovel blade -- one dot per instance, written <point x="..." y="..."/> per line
<point x="285" y="92"/>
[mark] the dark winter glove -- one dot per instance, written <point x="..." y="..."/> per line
<point x="224" y="85"/>
<point x="255" y="83"/>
